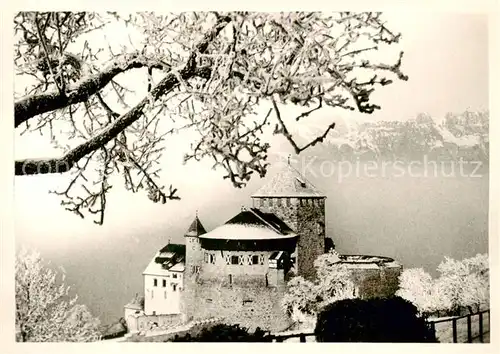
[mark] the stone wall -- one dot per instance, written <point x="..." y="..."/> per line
<point x="142" y="322"/>
<point x="247" y="302"/>
<point x="158" y="335"/>
<point x="311" y="225"/>
<point x="306" y="216"/>
<point x="376" y="281"/>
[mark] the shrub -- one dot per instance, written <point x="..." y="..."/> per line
<point x="372" y="320"/>
<point x="225" y="333"/>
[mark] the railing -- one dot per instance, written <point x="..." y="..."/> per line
<point x="278" y="338"/>
<point x="458" y="330"/>
<point x="438" y="326"/>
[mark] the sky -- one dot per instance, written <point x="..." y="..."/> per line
<point x="446" y="59"/>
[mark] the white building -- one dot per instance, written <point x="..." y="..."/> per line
<point x="164" y="275"/>
<point x="163" y="281"/>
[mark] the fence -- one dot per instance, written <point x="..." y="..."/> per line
<point x="463" y="329"/>
<point x="278" y="338"/>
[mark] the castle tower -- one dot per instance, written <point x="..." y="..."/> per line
<point x="193" y="246"/>
<point x="193" y="262"/>
<point x="302" y="206"/>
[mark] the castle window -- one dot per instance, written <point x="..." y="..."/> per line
<point x="271" y="200"/>
<point x="228" y="259"/>
<point x="288" y="201"/>
<point x="247" y="301"/>
<point x="261" y="259"/>
<point x="165" y="294"/>
<point x="209" y="301"/>
<point x="255" y="259"/>
<point x="155" y="282"/>
<point x="174" y="275"/>
<point x="241" y="260"/>
<point x="152" y="294"/>
<point x="235" y="259"/>
<point x="205" y="255"/>
<point x="211" y="258"/>
<point x="278" y="202"/>
<point x="174" y="287"/>
<point x="230" y="278"/>
<point x="164" y="283"/>
<point x="261" y="202"/>
<point x="301" y="182"/>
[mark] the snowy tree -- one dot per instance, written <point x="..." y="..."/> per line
<point x="304" y="298"/>
<point x="417" y="286"/>
<point x="461" y="284"/>
<point x="210" y="72"/>
<point x="334" y="279"/>
<point x="45" y="312"/>
<point x="301" y="299"/>
<point x="465" y="284"/>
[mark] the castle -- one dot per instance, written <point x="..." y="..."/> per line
<point x="239" y="270"/>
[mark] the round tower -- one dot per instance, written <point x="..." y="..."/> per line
<point x="301" y="205"/>
<point x="243" y="275"/>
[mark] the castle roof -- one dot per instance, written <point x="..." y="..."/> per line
<point x="137" y="303"/>
<point x="288" y="182"/>
<point x="196" y="228"/>
<point x="252" y="224"/>
<point x="169" y="259"/>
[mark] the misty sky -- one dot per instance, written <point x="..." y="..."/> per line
<point x="446" y="58"/>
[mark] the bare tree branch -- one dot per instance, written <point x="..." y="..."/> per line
<point x="284" y="131"/>
<point x="31" y="106"/>
<point x="65" y="163"/>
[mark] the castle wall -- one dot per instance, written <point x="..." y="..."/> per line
<point x="306" y="216"/>
<point x="141" y="322"/>
<point x="215" y="263"/>
<point x="193" y="264"/>
<point x="311" y="223"/>
<point x="376" y="281"/>
<point x="285" y="208"/>
<point x="247" y="302"/>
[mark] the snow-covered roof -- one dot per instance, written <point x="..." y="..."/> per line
<point x="196" y="228"/>
<point x="137" y="303"/>
<point x="169" y="258"/>
<point x="245" y="232"/>
<point x="368" y="262"/>
<point x="288" y="182"/>
<point x="252" y="224"/>
<point x="155" y="268"/>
